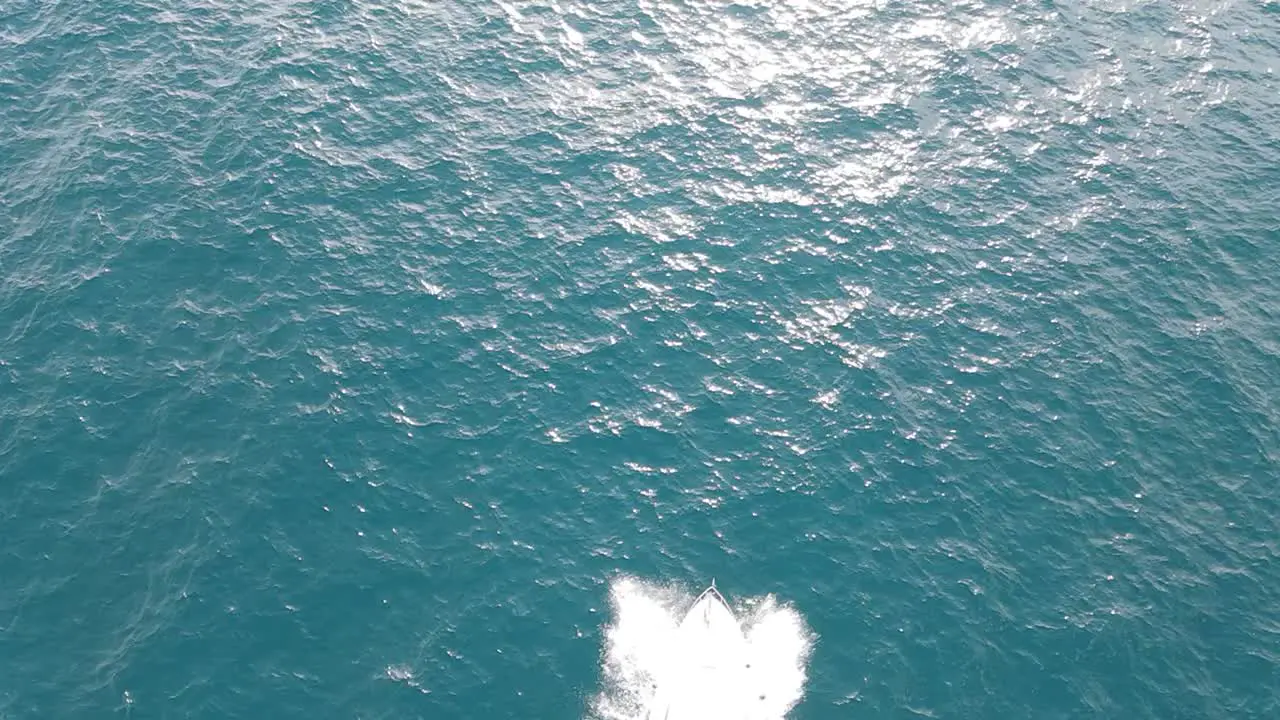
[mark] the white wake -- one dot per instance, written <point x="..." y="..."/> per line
<point x="644" y="657"/>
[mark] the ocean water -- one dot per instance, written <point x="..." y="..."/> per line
<point x="356" y="357"/>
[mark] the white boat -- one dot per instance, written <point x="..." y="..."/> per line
<point x="710" y="619"/>
<point x="707" y="677"/>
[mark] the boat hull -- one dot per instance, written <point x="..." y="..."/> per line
<point x="706" y="677"/>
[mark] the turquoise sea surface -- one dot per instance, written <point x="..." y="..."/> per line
<point x="358" y="358"/>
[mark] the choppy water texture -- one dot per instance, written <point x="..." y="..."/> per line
<point x="350" y="350"/>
